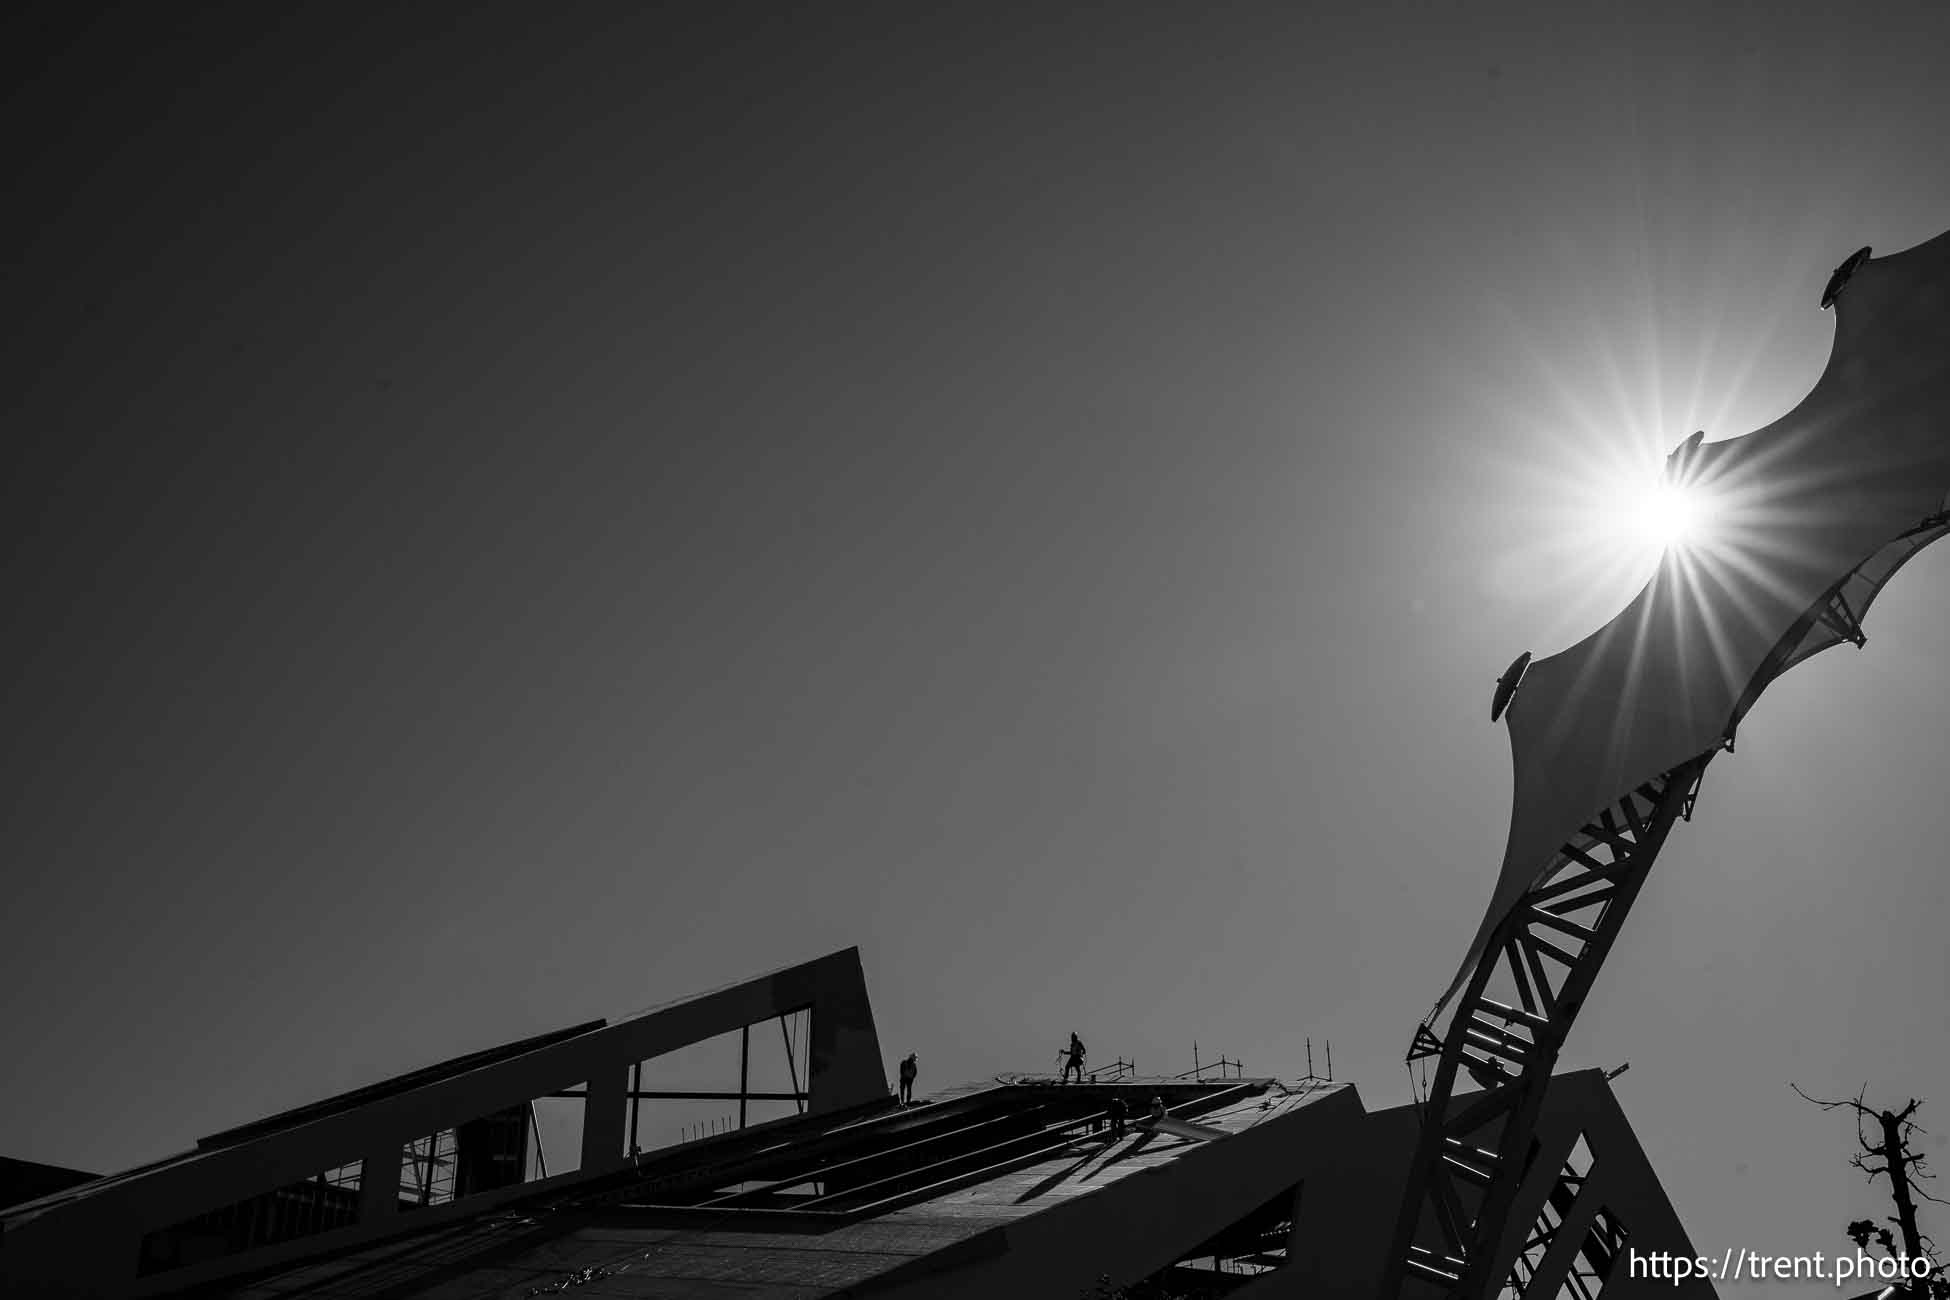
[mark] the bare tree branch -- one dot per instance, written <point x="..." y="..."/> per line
<point x="1825" y="1105"/>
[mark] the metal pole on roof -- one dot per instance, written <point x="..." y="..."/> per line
<point x="636" y="1106"/>
<point x="426" y="1175"/>
<point x="744" y="1070"/>
<point x="791" y="1066"/>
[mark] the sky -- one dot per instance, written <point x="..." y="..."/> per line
<point x="519" y="513"/>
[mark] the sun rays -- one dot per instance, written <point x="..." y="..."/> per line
<point x="1596" y="505"/>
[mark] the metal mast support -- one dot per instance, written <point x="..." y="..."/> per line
<point x="1451" y="1238"/>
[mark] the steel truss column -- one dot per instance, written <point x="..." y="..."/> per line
<point x="1470" y="1159"/>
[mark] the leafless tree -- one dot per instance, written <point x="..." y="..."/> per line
<point x="1884" y="1139"/>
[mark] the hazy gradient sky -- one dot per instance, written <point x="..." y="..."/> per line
<point x="521" y="513"/>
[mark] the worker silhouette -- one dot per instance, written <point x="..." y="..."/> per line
<point x="909" y="1068"/>
<point x="1117" y="1111"/>
<point x="1156" y="1114"/>
<point x="1073" y="1058"/>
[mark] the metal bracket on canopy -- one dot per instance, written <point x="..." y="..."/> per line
<point x="1679" y="462"/>
<point x="1841" y="620"/>
<point x="1506" y="685"/>
<point x="1837" y="281"/>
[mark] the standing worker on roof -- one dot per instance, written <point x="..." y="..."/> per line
<point x="1073" y="1058"/>
<point x="909" y="1068"/>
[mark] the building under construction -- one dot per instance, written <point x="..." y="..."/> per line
<point x="458" y="1180"/>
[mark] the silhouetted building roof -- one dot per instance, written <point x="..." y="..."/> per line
<point x="26" y="1180"/>
<point x="881" y="1197"/>
<point x="432" y="1185"/>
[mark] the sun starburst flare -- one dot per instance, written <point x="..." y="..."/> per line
<point x="1657" y="516"/>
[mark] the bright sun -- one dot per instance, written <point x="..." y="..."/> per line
<point x="1667" y="515"/>
<point x="1650" y="514"/>
<point x="1612" y="515"/>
